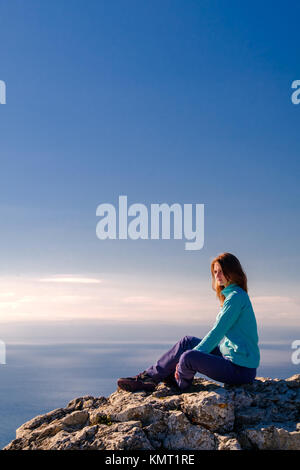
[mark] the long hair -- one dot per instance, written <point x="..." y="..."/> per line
<point x="232" y="270"/>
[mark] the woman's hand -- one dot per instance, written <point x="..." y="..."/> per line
<point x="176" y="372"/>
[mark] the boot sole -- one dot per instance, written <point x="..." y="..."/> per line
<point x="130" y="387"/>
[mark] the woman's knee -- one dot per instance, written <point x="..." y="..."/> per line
<point x="188" y="358"/>
<point x="190" y="341"/>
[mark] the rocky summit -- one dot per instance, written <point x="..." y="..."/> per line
<point x="207" y="416"/>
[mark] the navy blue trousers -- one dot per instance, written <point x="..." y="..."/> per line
<point x="214" y="365"/>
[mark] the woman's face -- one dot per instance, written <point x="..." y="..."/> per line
<point x="220" y="279"/>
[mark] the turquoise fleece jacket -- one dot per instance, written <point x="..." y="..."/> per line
<point x="235" y="323"/>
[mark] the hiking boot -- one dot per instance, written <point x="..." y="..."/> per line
<point x="170" y="381"/>
<point x="142" y="381"/>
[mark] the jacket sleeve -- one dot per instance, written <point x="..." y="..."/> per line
<point x="228" y="315"/>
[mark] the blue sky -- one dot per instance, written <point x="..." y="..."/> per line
<point x="172" y="101"/>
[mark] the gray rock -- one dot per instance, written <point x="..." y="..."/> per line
<point x="213" y="410"/>
<point x="271" y="437"/>
<point x="262" y="415"/>
<point x="183" y="435"/>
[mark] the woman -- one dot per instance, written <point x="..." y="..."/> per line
<point x="234" y="362"/>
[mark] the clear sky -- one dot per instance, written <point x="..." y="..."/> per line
<point x="163" y="101"/>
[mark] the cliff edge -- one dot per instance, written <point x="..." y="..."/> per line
<point x="263" y="415"/>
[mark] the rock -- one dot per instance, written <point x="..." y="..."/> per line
<point x="121" y="436"/>
<point x="77" y="418"/>
<point x="229" y="442"/>
<point x="213" y="410"/>
<point x="40" y="421"/>
<point x="271" y="437"/>
<point x="259" y="416"/>
<point x="182" y="434"/>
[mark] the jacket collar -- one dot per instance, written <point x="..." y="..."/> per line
<point x="226" y="291"/>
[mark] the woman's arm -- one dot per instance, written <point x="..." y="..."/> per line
<point x="228" y="315"/>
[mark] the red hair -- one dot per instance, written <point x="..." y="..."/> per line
<point x="232" y="270"/>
